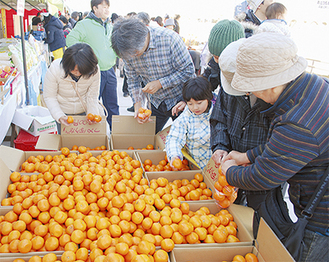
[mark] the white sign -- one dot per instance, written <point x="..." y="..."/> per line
<point x="20" y="7"/>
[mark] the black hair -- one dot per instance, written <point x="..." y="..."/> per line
<point x="83" y="56"/>
<point x="75" y="15"/>
<point x="46" y="19"/>
<point x="63" y="19"/>
<point x="39" y="13"/>
<point x="159" y="20"/>
<point x="114" y="16"/>
<point x="98" y="2"/>
<point x="197" y="88"/>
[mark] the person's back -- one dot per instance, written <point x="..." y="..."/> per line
<point x="55" y="35"/>
<point x="275" y="22"/>
<point x="253" y="17"/>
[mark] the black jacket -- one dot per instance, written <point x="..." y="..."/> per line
<point x="55" y="34"/>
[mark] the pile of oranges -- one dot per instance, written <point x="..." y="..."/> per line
<point x="184" y="189"/>
<point x="225" y="194"/>
<point x="164" y="165"/>
<point x="84" y="149"/>
<point x="144" y="113"/>
<point x="92" y="117"/>
<point x="148" y="147"/>
<point x="100" y="208"/>
<point x="249" y="257"/>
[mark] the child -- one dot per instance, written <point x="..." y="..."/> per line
<point x="275" y="22"/>
<point x="192" y="126"/>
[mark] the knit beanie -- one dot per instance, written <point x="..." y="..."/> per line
<point x="222" y="34"/>
<point x="253" y="4"/>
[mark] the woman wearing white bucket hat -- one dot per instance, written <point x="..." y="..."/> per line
<point x="236" y="122"/>
<point x="297" y="149"/>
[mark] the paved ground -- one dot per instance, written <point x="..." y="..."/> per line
<point x="124" y="102"/>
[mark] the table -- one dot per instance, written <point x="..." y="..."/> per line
<point x="16" y="97"/>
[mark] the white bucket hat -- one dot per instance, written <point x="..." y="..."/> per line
<point x="267" y="60"/>
<point x="227" y="65"/>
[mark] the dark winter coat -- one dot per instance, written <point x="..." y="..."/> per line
<point x="55" y="34"/>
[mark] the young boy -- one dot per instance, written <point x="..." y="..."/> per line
<point x="192" y="127"/>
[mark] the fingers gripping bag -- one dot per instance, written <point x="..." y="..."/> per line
<point x="144" y="111"/>
<point x="225" y="194"/>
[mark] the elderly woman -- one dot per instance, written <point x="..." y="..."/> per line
<point x="72" y="84"/>
<point x="297" y="148"/>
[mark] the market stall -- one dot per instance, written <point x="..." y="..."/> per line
<point x="23" y="62"/>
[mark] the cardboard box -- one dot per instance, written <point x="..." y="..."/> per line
<point x="35" y="119"/>
<point x="14" y="158"/>
<point x="80" y="133"/>
<point x="126" y="132"/>
<point x="243" y="233"/>
<point x="268" y="248"/>
<point x="173" y="175"/>
<point x="156" y="157"/>
<point x="11" y="160"/>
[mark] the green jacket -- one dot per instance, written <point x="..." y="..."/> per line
<point x="92" y="32"/>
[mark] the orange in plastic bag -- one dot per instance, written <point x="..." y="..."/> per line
<point x="144" y="113"/>
<point x="225" y="194"/>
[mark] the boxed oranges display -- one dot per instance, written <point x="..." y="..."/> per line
<point x="102" y="203"/>
<point x="267" y="247"/>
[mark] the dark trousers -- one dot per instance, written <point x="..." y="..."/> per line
<point x="108" y="93"/>
<point x="162" y="115"/>
<point x="125" y="85"/>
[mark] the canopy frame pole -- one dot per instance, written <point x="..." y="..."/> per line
<point x="24" y="61"/>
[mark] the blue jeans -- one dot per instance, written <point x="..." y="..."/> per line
<point x="162" y="115"/>
<point x="317" y="247"/>
<point x="108" y="93"/>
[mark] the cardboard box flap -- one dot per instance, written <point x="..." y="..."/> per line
<point x="5" y="179"/>
<point x="12" y="157"/>
<point x="211" y="171"/>
<point x="161" y="138"/>
<point x="24" y="116"/>
<point x="129" y="125"/>
<point x="270" y="246"/>
<point x="22" y="120"/>
<point x="44" y="119"/>
<point x="48" y="142"/>
<point x="81" y="126"/>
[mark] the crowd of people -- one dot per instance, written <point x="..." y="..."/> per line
<point x="266" y="124"/>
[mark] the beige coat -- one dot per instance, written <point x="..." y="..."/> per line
<point x="61" y="97"/>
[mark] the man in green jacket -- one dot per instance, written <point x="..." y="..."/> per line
<point x="96" y="31"/>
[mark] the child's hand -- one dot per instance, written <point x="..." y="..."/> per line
<point x="178" y="107"/>
<point x="172" y="160"/>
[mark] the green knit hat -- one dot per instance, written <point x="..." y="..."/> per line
<point x="222" y="34"/>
